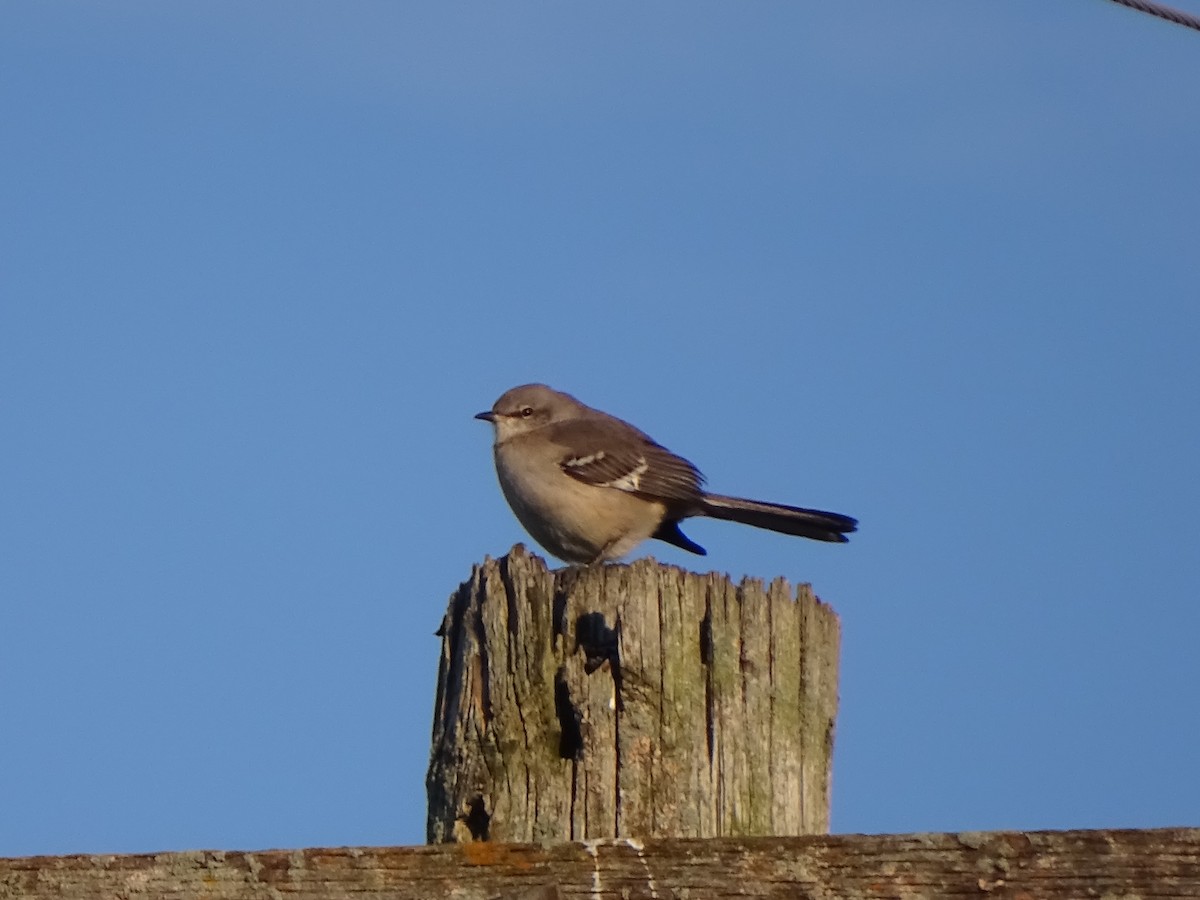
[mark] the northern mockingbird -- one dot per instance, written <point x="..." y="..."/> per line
<point x="590" y="487"/>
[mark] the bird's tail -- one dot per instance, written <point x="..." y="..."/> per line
<point x="809" y="523"/>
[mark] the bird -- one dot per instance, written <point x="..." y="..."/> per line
<point x="589" y="487"/>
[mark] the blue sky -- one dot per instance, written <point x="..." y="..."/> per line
<point x="933" y="265"/>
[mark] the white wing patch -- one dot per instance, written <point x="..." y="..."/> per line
<point x="621" y="470"/>
<point x="578" y="462"/>
<point x="631" y="480"/>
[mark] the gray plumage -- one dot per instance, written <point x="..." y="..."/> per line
<point x="589" y="486"/>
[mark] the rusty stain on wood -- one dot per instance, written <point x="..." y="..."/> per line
<point x="1068" y="865"/>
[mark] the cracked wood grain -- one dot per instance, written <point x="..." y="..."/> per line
<point x="1071" y="865"/>
<point x="630" y="700"/>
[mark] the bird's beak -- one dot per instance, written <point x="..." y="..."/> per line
<point x="488" y="416"/>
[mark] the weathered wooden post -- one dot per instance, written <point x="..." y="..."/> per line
<point x="630" y="701"/>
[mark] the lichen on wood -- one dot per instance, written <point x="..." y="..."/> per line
<point x="630" y="700"/>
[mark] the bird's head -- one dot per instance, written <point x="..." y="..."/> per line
<point x="527" y="408"/>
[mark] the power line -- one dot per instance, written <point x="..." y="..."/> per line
<point x="1187" y="20"/>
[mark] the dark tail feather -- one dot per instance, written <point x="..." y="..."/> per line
<point x="669" y="532"/>
<point x="809" y="523"/>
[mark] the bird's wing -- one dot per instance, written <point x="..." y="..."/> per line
<point x="618" y="456"/>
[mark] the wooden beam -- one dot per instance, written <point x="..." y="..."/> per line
<point x="1065" y="865"/>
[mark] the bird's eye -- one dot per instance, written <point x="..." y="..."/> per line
<point x="526" y="411"/>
